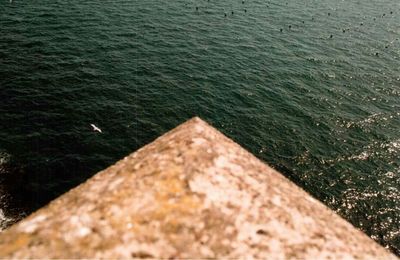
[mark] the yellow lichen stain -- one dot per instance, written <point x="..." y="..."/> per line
<point x="174" y="216"/>
<point x="183" y="205"/>
<point x="21" y="241"/>
<point x="172" y="171"/>
<point x="170" y="187"/>
<point x="173" y="203"/>
<point x="172" y="226"/>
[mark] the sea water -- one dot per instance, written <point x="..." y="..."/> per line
<point x="312" y="87"/>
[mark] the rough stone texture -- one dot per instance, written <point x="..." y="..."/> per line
<point x="192" y="193"/>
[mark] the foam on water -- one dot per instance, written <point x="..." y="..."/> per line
<point x="4" y="221"/>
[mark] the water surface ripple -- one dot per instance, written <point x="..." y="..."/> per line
<point x="311" y="87"/>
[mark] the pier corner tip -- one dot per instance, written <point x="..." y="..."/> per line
<point x="196" y="120"/>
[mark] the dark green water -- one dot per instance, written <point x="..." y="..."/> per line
<point x="324" y="110"/>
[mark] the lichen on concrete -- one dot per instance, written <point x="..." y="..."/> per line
<point x="192" y="193"/>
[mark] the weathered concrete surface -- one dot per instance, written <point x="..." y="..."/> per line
<point x="192" y="193"/>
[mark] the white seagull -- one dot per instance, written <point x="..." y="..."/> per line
<point x="95" y="128"/>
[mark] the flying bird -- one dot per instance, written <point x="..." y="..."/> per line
<point x="95" y="128"/>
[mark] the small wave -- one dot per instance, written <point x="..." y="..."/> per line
<point x="4" y="221"/>
<point x="391" y="147"/>
<point x="359" y="203"/>
<point x="375" y="149"/>
<point x="4" y="159"/>
<point x="359" y="157"/>
<point x="368" y="121"/>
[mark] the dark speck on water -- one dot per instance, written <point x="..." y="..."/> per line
<point x="323" y="112"/>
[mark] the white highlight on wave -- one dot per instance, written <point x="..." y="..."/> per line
<point x="4" y="221"/>
<point x="372" y="119"/>
<point x="367" y="121"/>
<point x="371" y="150"/>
